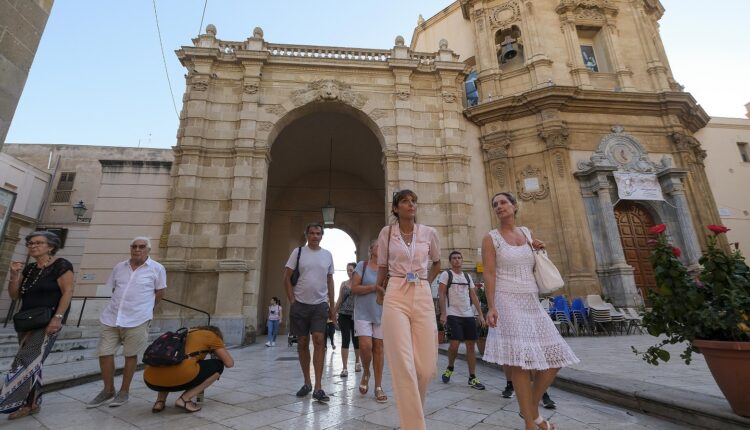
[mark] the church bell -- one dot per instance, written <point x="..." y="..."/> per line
<point x="508" y="52"/>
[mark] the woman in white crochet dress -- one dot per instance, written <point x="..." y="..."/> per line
<point x="521" y="334"/>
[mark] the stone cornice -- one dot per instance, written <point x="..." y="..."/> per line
<point x="573" y="99"/>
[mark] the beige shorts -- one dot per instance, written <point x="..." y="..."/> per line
<point x="132" y="339"/>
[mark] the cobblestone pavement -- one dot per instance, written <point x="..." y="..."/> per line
<point x="258" y="393"/>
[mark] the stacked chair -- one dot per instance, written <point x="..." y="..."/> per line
<point x="618" y="318"/>
<point x="633" y="320"/>
<point x="599" y="312"/>
<point x="580" y="316"/>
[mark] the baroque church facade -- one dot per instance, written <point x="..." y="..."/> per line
<point x="549" y="99"/>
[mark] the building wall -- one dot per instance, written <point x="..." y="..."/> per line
<point x="29" y="184"/>
<point x="447" y="24"/>
<point x="21" y="27"/>
<point x="729" y="175"/>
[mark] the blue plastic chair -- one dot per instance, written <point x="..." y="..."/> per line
<point x="580" y="314"/>
<point x="564" y="315"/>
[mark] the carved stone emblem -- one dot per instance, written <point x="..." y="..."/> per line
<point x="449" y="97"/>
<point x="199" y="84"/>
<point x="265" y="125"/>
<point x="403" y="94"/>
<point x="328" y="90"/>
<point x="503" y="16"/>
<point x="479" y="18"/>
<point x="277" y="110"/>
<point x="388" y="131"/>
<point x="496" y="145"/>
<point x="689" y="144"/>
<point x="378" y="114"/>
<point x="498" y="172"/>
<point x="250" y="88"/>
<point x="555" y="137"/>
<point x="622" y="151"/>
<point x="532" y="185"/>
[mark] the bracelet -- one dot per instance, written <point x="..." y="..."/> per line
<point x="59" y="316"/>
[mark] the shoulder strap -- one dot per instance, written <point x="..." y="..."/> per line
<point x="450" y="278"/>
<point x="388" y="248"/>
<point x="197" y="353"/>
<point x="299" y="252"/>
<point x="526" y="234"/>
<point x="364" y="270"/>
<point x="468" y="281"/>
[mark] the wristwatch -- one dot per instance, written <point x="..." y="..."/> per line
<point x="59" y="316"/>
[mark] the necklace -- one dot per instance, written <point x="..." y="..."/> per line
<point x="406" y="237"/>
<point x="26" y="286"/>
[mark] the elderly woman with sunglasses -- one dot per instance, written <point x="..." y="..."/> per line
<point x="45" y="288"/>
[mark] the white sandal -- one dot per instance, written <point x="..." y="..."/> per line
<point x="344" y="373"/>
<point x="548" y="425"/>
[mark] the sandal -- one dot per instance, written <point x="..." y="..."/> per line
<point x="363" y="384"/>
<point x="156" y="409"/>
<point x="547" y="425"/>
<point x="23" y="411"/>
<point x="358" y="367"/>
<point x="188" y="406"/>
<point x="344" y="373"/>
<point x="380" y="396"/>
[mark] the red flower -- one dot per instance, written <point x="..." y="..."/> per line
<point x="658" y="229"/>
<point x="718" y="229"/>
<point x="676" y="251"/>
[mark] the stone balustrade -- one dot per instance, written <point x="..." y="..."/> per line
<point x="328" y="52"/>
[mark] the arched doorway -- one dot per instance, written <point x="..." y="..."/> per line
<point x="633" y="222"/>
<point x="298" y="186"/>
<point x="344" y="251"/>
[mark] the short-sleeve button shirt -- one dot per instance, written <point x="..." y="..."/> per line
<point x="400" y="261"/>
<point x="133" y="293"/>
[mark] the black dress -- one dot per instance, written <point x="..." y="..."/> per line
<point x="42" y="290"/>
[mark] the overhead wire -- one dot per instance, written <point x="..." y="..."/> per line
<point x="164" y="59"/>
<point x="203" y="15"/>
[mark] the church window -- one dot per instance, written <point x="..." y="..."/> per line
<point x="743" y="151"/>
<point x="593" y="49"/>
<point x="470" y="85"/>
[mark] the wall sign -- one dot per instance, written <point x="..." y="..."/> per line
<point x="638" y="186"/>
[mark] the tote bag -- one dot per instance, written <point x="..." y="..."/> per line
<point x="548" y="278"/>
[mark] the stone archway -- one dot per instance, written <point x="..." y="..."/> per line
<point x="298" y="184"/>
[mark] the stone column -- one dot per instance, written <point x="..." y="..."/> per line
<point x="578" y="70"/>
<point x="671" y="183"/>
<point x="624" y="75"/>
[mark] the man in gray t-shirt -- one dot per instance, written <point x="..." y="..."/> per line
<point x="311" y="306"/>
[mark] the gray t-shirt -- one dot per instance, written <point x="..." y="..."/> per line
<point x="314" y="268"/>
<point x="365" y="306"/>
<point x="458" y="294"/>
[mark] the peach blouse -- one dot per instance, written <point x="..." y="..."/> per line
<point x="424" y="250"/>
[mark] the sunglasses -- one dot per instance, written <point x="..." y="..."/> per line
<point x="134" y="246"/>
<point x="30" y="244"/>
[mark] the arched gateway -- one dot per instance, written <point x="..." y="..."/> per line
<point x="258" y="128"/>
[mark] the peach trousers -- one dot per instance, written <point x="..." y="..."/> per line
<point x="410" y="343"/>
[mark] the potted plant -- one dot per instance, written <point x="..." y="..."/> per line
<point x="482" y="331"/>
<point x="708" y="312"/>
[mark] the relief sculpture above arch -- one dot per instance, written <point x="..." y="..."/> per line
<point x="328" y="90"/>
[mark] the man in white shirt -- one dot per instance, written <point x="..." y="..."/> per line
<point x="457" y="288"/>
<point x="311" y="300"/>
<point x="137" y="286"/>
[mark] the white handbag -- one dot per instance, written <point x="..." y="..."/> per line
<point x="548" y="278"/>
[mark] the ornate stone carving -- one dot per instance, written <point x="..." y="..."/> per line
<point x="388" y="131"/>
<point x="443" y="44"/>
<point x="250" y="88"/>
<point x="689" y="144"/>
<point x="496" y="145"/>
<point x="622" y="151"/>
<point x="531" y="184"/>
<point x="328" y="90"/>
<point x="503" y="16"/>
<point x="448" y="97"/>
<point x="277" y="110"/>
<point x="403" y="94"/>
<point x="555" y="137"/>
<point x="399" y="40"/>
<point x="258" y="33"/>
<point x="587" y="8"/>
<point x="199" y="84"/>
<point x="378" y="114"/>
<point x="498" y="172"/>
<point x="479" y="18"/>
<point x="265" y="125"/>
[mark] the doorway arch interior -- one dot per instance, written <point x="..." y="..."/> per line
<point x="298" y="187"/>
<point x="344" y="252"/>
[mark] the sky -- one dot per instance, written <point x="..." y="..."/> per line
<point x="99" y="79"/>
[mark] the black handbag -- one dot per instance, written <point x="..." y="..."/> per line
<point x="32" y="319"/>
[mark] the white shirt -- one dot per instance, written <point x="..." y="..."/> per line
<point x="133" y="293"/>
<point x="314" y="268"/>
<point x="458" y="294"/>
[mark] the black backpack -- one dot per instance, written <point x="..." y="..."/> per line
<point x="168" y="349"/>
<point x="450" y="281"/>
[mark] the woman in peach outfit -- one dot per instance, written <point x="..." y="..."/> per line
<point x="410" y="253"/>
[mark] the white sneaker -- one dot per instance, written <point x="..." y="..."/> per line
<point x="268" y="343"/>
